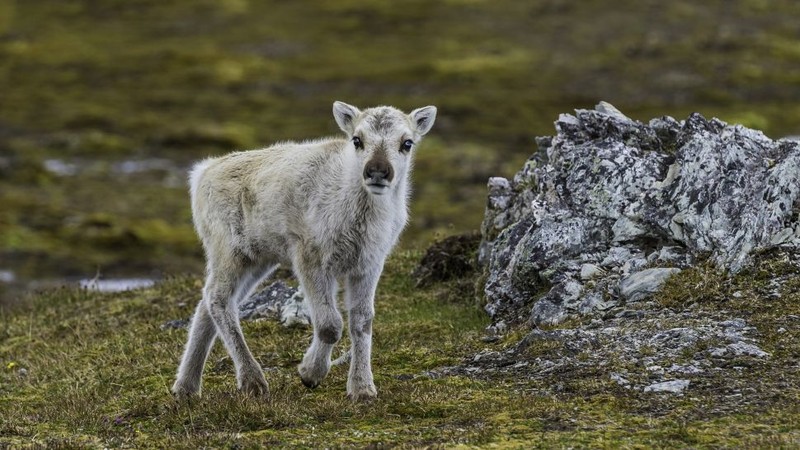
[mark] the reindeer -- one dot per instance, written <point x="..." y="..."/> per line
<point x="332" y="208"/>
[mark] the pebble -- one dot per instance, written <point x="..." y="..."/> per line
<point x="672" y="387"/>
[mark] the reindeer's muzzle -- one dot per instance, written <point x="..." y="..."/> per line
<point x="378" y="174"/>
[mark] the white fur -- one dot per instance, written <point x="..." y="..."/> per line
<point x="329" y="209"/>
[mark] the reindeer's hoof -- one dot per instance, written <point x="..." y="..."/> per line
<point x="254" y="386"/>
<point x="308" y="383"/>
<point x="181" y="392"/>
<point x="312" y="376"/>
<point x="363" y="394"/>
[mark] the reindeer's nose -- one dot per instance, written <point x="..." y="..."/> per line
<point x="378" y="170"/>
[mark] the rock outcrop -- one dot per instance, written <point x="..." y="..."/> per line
<point x="610" y="207"/>
<point x="643" y="348"/>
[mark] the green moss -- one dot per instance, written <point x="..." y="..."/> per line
<point x="703" y="283"/>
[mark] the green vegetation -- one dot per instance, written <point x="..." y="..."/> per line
<point x="766" y="294"/>
<point x="83" y="369"/>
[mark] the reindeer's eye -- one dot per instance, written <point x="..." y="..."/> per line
<point x="407" y="144"/>
<point x="357" y="142"/>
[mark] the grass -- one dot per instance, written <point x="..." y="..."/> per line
<point x="766" y="294"/>
<point x="97" y="369"/>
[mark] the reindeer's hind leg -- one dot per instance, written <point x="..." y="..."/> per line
<point x="201" y="338"/>
<point x="225" y="285"/>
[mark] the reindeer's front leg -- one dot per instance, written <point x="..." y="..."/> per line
<point x="360" y="301"/>
<point x="320" y="292"/>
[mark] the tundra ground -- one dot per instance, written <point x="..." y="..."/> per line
<point x="83" y="369"/>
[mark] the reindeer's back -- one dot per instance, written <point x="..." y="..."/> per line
<point x="238" y="197"/>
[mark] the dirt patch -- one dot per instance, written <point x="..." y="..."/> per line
<point x="449" y="258"/>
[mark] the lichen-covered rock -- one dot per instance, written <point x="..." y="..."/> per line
<point x="672" y="387"/>
<point x="641" y="347"/>
<point x="277" y="301"/>
<point x="609" y="197"/>
<point x="267" y="302"/>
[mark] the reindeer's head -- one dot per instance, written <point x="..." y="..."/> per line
<point x="383" y="139"/>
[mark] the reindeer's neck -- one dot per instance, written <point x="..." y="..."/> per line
<point x="353" y="222"/>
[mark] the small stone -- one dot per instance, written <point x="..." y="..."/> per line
<point x="687" y="369"/>
<point x="633" y="265"/>
<point x="745" y="349"/>
<point x="782" y="236"/>
<point x="616" y="256"/>
<point x="589" y="271"/>
<point x="546" y="312"/>
<point x="641" y="284"/>
<point x="672" y="387"/>
<point x="625" y="229"/>
<point x="630" y="314"/>
<point x="739" y="349"/>
<point x="620" y="380"/>
<point x="497" y="329"/>
<point x="267" y="302"/>
<point x="610" y="110"/>
<point x="671" y="255"/>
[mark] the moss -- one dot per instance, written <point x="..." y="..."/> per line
<point x="702" y="283"/>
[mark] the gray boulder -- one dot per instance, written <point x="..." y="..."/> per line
<point x="633" y="203"/>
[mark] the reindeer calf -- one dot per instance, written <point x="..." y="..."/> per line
<point x="331" y="208"/>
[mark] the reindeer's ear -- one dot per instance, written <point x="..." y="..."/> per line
<point x="423" y="119"/>
<point x="345" y="116"/>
